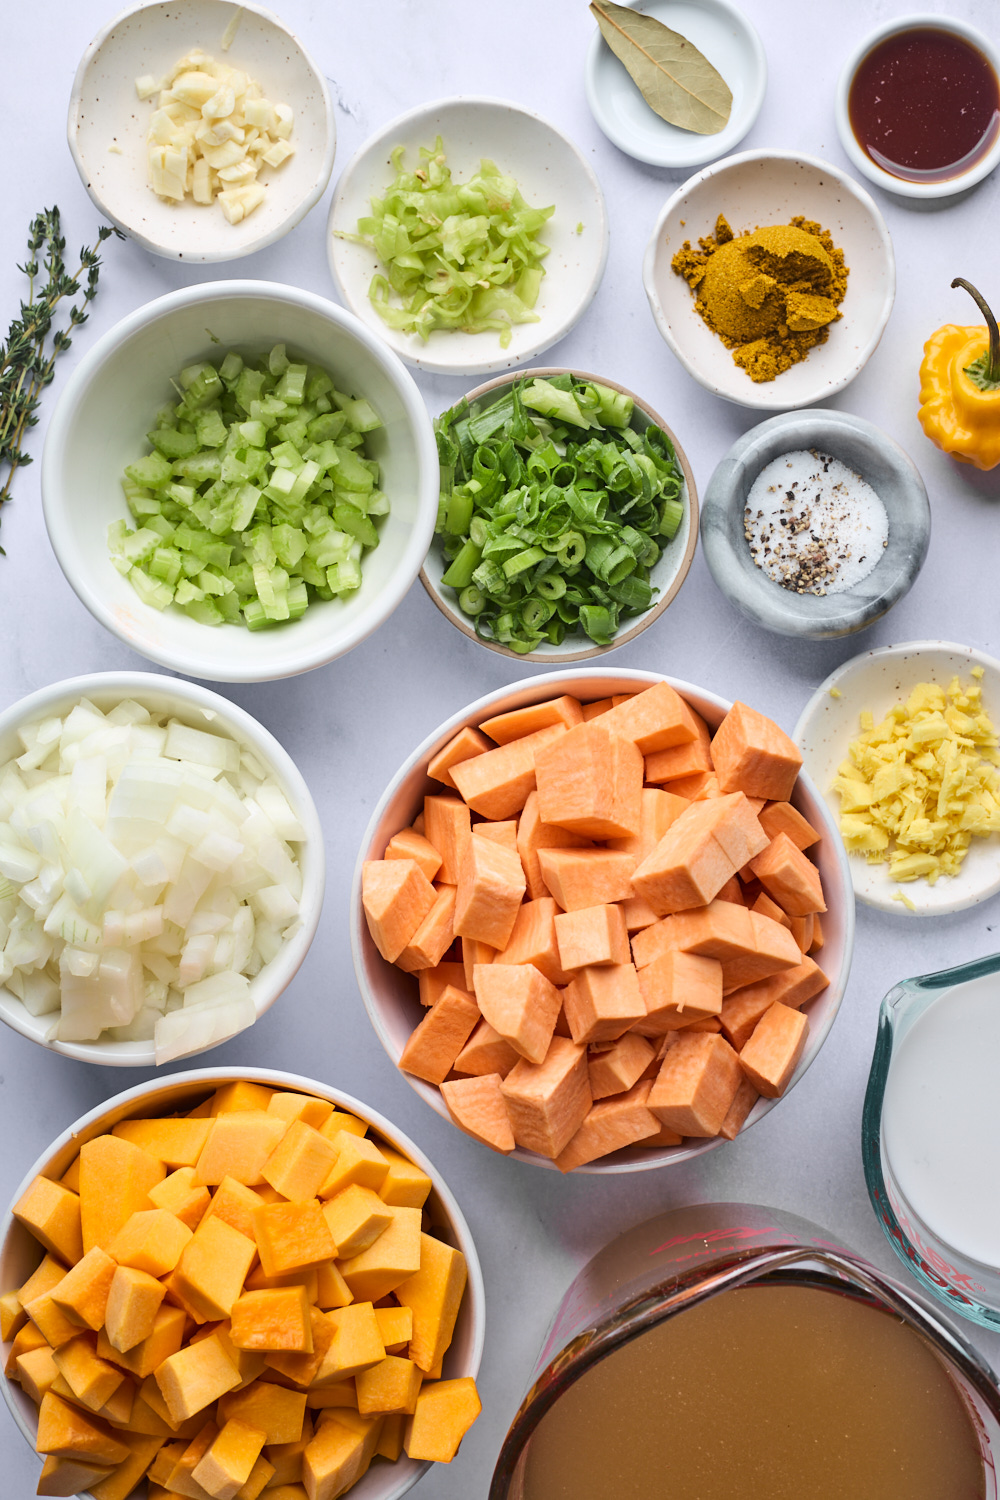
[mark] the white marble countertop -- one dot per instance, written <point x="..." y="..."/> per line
<point x="350" y="724"/>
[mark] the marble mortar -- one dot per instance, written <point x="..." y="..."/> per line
<point x="873" y="455"/>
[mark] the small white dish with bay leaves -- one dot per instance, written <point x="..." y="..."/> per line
<point x="556" y="1125"/>
<point x="724" y="35"/>
<point x="877" y="681"/>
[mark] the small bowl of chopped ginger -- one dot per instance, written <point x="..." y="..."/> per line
<point x="902" y="743"/>
<point x="202" y="128"/>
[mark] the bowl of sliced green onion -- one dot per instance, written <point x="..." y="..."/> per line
<point x="240" y="481"/>
<point x="568" y="516"/>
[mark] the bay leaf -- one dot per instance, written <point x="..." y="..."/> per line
<point x="674" y="78"/>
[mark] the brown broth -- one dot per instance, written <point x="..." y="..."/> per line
<point x="771" y="1392"/>
<point x="925" y="105"/>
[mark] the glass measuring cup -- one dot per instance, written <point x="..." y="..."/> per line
<point x="965" y="1283"/>
<point x="680" y="1259"/>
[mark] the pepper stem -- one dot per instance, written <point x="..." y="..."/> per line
<point x="992" y="362"/>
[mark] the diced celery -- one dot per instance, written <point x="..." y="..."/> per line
<point x="150" y="590"/>
<point x="344" y="577"/>
<point x="229" y="370"/>
<point x="173" y="444"/>
<point x="153" y="471"/>
<point x="257" y="495"/>
<point x="351" y="472"/>
<point x="210" y="429"/>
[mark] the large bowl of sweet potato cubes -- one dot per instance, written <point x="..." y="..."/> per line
<point x="233" y="1283"/>
<point x="602" y="921"/>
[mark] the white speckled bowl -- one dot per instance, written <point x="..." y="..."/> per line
<point x="873" y="455"/>
<point x="668" y="573"/>
<point x="877" y="680"/>
<point x="548" y="168"/>
<point x="390" y="996"/>
<point x="108" y="124"/>
<point x="724" y="34"/>
<point x="860" y="160"/>
<point x="769" y="187"/>
<point x="202" y="709"/>
<point x="20" y="1252"/>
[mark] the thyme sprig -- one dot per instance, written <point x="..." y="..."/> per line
<point x="27" y="360"/>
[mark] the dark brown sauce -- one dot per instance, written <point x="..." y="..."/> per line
<point x="925" y="105"/>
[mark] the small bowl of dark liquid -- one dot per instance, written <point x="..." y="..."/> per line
<point x="918" y="106"/>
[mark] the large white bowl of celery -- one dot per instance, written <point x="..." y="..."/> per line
<point x="568" y="516"/>
<point x="240" y="481"/>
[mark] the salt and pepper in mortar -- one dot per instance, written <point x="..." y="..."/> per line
<point x="813" y="525"/>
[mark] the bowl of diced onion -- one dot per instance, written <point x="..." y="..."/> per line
<point x="240" y="481"/>
<point x="161" y="868"/>
<point x="575" y="575"/>
<point x="202" y="128"/>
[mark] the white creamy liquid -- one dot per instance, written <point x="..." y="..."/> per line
<point x="941" y="1118"/>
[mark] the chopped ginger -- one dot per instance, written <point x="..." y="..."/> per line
<point x="920" y="785"/>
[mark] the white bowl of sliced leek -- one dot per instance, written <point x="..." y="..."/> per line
<point x="161" y="868"/>
<point x="117" y="91"/>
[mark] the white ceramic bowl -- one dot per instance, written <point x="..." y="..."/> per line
<point x="769" y="187"/>
<point x="390" y="995"/>
<point x="725" y="36"/>
<point x="548" y="168"/>
<point x="20" y="1252"/>
<point x="201" y="708"/>
<point x="877" y="680"/>
<point x="667" y="575"/>
<point x="862" y="162"/>
<point x="108" y="124"/>
<point x="99" y="425"/>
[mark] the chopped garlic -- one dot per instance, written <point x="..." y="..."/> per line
<point x="210" y="134"/>
<point x="924" y="780"/>
<point x="835" y="692"/>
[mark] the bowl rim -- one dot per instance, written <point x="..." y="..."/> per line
<point x="203" y="1079"/>
<point x="900" y="186"/>
<point x="810" y="713"/>
<point x="209" y="662"/>
<point x="758" y="398"/>
<point x="653" y="613"/>
<point x="736" y="19"/>
<point x="212" y="257"/>
<point x="717" y="541"/>
<point x="503" y="359"/>
<point x="287" y="962"/>
<point x="537" y="689"/>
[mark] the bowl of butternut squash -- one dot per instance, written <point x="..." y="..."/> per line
<point x="184" y="1302"/>
<point x="602" y="921"/>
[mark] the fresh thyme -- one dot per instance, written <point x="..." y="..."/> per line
<point x="26" y="362"/>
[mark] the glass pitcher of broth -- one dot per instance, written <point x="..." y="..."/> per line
<point x="731" y="1350"/>
<point x="929" y="1129"/>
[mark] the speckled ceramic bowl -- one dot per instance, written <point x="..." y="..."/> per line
<point x="666" y="575"/>
<point x="108" y="124"/>
<point x="547" y="167"/>
<point x="869" y="452"/>
<point x="753" y="189"/>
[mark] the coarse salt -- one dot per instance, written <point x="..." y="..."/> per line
<point x="813" y="525"/>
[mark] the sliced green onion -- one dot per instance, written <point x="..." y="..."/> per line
<point x="553" y="510"/>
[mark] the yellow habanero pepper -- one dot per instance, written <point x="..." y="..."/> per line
<point x="960" y="389"/>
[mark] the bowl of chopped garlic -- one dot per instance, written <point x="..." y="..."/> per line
<point x="201" y="128"/>
<point x="902" y="744"/>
